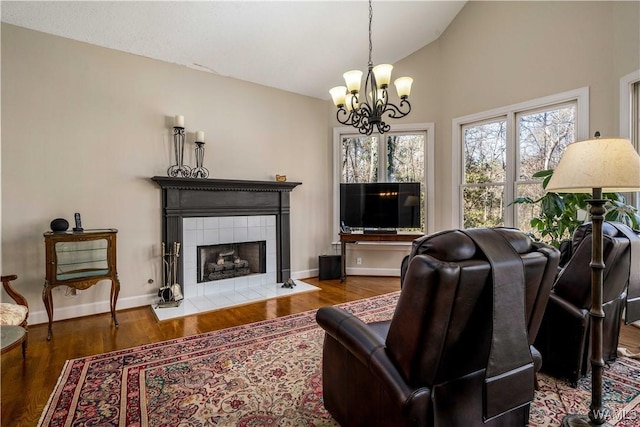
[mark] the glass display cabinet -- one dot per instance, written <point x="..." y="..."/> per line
<point x="79" y="260"/>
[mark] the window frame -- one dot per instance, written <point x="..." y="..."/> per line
<point x="428" y="179"/>
<point x="630" y="126"/>
<point x="580" y="96"/>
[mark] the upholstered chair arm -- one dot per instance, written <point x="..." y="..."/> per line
<point x="6" y="283"/>
<point x="350" y="331"/>
<point x="362" y="342"/>
<point x="568" y="308"/>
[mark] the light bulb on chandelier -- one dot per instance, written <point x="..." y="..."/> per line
<point x="365" y="111"/>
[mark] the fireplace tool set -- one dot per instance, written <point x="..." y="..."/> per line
<point x="170" y="293"/>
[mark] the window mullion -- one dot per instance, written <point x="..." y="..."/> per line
<point x="382" y="157"/>
<point x="511" y="169"/>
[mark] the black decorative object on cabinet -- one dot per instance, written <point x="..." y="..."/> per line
<point x="59" y="224"/>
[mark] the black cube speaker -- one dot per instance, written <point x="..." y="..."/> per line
<point x="329" y="266"/>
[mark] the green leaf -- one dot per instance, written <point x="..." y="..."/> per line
<point x="544" y="173"/>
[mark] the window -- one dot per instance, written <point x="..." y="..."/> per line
<point x="630" y="118"/>
<point x="404" y="155"/>
<point x="542" y="137"/>
<point x="403" y="159"/>
<point x="499" y="152"/>
<point x="485" y="166"/>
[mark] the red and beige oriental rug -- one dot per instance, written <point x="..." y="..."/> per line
<point x="263" y="374"/>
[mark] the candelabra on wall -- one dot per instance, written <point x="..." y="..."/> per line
<point x="199" y="171"/>
<point x="179" y="169"/>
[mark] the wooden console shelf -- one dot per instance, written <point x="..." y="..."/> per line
<point x="369" y="237"/>
<point x="79" y="260"/>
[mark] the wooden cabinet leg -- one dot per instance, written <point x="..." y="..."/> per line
<point x="115" y="290"/>
<point x="48" y="304"/>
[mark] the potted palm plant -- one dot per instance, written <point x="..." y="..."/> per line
<point x="560" y="213"/>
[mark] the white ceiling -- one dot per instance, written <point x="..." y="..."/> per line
<point x="298" y="46"/>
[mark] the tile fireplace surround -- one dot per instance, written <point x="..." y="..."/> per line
<point x="204" y="231"/>
<point x="198" y="212"/>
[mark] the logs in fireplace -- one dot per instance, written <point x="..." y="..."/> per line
<point x="226" y="266"/>
<point x="226" y="261"/>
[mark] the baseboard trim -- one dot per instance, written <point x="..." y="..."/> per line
<point x="100" y="307"/>
<point x="364" y="271"/>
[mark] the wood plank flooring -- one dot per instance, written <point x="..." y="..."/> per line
<point x="26" y="387"/>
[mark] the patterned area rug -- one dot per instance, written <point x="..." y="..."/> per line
<point x="263" y="374"/>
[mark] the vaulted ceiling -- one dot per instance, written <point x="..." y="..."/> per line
<point x="298" y="46"/>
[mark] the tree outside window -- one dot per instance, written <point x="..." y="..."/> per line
<point x="498" y="169"/>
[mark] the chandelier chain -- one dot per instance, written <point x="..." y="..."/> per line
<point x="370" y="42"/>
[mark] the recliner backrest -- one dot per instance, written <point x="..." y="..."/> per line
<point x="443" y="319"/>
<point x="574" y="281"/>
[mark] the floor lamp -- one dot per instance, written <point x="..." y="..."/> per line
<point x="596" y="166"/>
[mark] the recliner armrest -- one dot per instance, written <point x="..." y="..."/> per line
<point x="569" y="308"/>
<point x="369" y="348"/>
<point x="351" y="332"/>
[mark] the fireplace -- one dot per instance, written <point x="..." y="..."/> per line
<point x="209" y="212"/>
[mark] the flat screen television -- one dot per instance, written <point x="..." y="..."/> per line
<point x="380" y="205"/>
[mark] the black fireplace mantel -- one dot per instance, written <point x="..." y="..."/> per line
<point x="194" y="197"/>
<point x="223" y="184"/>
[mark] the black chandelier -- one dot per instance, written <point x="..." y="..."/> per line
<point x="367" y="111"/>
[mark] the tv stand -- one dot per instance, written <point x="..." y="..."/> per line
<point x="380" y="231"/>
<point x="369" y="237"/>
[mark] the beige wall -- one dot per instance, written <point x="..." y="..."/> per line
<point x="498" y="53"/>
<point x="85" y="128"/>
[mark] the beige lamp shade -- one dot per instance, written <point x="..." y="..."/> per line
<point x="403" y="86"/>
<point x="338" y="94"/>
<point x="353" y="79"/>
<point x="382" y="74"/>
<point x="611" y="164"/>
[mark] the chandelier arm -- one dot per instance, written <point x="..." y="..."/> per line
<point x="383" y="127"/>
<point x="366" y="128"/>
<point x="369" y="88"/>
<point x="385" y="99"/>
<point x="361" y="122"/>
<point x="366" y="109"/>
<point x="397" y="112"/>
<point x="348" y="117"/>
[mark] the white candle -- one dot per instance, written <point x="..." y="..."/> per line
<point x="199" y="136"/>
<point x="178" y="121"/>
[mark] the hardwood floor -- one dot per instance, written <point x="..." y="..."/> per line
<point x="26" y="387"/>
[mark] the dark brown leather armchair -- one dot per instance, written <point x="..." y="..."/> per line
<point x="564" y="337"/>
<point x="429" y="365"/>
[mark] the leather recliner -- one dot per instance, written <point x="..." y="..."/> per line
<point x="430" y="364"/>
<point x="564" y="337"/>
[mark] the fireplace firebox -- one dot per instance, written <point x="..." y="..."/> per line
<point x="226" y="261"/>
